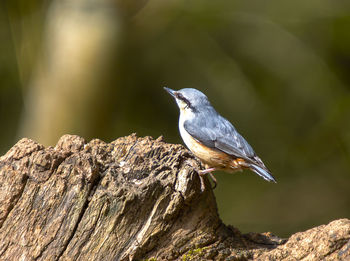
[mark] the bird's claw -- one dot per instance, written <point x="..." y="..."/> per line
<point x="209" y="171"/>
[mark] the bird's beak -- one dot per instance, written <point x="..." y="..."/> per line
<point x="170" y="91"/>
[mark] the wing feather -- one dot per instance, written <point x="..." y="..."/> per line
<point x="214" y="131"/>
<point x="217" y="132"/>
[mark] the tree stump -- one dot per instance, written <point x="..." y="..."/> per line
<point x="131" y="199"/>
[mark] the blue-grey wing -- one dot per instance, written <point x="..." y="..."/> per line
<point x="217" y="132"/>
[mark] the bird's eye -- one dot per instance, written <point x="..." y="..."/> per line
<point x="188" y="105"/>
<point x="183" y="99"/>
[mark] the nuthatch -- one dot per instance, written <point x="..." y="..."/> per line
<point x="212" y="138"/>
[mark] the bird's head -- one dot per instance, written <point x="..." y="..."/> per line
<point x="189" y="99"/>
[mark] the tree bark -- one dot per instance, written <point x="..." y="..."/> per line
<point x="131" y="199"/>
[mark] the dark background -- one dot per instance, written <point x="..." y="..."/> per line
<point x="278" y="70"/>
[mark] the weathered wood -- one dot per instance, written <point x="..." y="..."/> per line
<point x="134" y="198"/>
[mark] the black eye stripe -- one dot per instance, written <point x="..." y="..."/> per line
<point x="181" y="97"/>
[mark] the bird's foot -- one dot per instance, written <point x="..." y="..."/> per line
<point x="207" y="171"/>
<point x="202" y="173"/>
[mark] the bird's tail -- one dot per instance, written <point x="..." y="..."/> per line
<point x="262" y="172"/>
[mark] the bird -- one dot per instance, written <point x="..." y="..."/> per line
<point x="212" y="138"/>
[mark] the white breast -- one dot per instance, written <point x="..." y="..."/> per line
<point x="185" y="115"/>
<point x="198" y="149"/>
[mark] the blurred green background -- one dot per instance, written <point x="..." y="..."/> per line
<point x="278" y="70"/>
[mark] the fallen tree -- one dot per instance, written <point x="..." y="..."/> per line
<point x="131" y="199"/>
